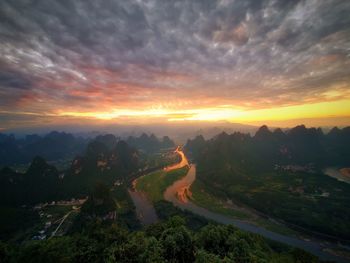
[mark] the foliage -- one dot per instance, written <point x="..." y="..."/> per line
<point x="262" y="170"/>
<point x="169" y="241"/>
<point x="43" y="182"/>
<point x="156" y="183"/>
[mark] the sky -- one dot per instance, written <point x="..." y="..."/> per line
<point x="156" y="61"/>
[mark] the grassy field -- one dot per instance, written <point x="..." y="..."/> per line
<point x="154" y="184"/>
<point x="202" y="198"/>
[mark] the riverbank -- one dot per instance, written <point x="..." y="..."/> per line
<point x="202" y="198"/>
<point x="322" y="249"/>
<point x="154" y="184"/>
<point x="181" y="186"/>
<point x="149" y="188"/>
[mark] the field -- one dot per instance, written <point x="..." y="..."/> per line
<point x="154" y="184"/>
<point x="307" y="202"/>
<point x="202" y="197"/>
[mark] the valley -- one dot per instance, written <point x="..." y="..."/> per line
<point x="114" y="183"/>
<point x="179" y="193"/>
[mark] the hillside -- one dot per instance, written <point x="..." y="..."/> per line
<point x="280" y="175"/>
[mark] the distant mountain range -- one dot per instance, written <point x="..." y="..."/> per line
<point x="61" y="145"/>
<point x="43" y="182"/>
<point x="52" y="146"/>
<point x="150" y="143"/>
<point x="106" y="159"/>
<point x="178" y="131"/>
<point x="299" y="145"/>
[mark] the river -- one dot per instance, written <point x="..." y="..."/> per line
<point x="336" y="173"/>
<point x="176" y="194"/>
<point x="144" y="208"/>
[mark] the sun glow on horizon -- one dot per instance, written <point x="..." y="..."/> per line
<point x="340" y="108"/>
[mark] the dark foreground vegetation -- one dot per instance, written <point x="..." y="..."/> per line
<point x="101" y="233"/>
<point x="169" y="241"/>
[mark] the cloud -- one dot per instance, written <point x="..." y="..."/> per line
<point x="14" y="80"/>
<point x="97" y="55"/>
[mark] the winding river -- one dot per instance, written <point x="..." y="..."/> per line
<point x="144" y="207"/>
<point x="176" y="194"/>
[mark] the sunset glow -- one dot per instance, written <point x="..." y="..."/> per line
<point x="339" y="108"/>
<point x="141" y="62"/>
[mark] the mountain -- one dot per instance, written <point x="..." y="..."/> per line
<point x="43" y="182"/>
<point x="299" y="145"/>
<point x="109" y="140"/>
<point x="195" y="146"/>
<point x="99" y="205"/>
<point x="40" y="182"/>
<point x="150" y="143"/>
<point x="280" y="174"/>
<point x="52" y="146"/>
<point x="102" y="162"/>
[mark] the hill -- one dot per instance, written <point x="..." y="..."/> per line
<point x="280" y="174"/>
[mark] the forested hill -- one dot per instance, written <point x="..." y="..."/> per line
<point x="280" y="174"/>
<point x="101" y="162"/>
<point x="299" y="145"/>
<point x="166" y="241"/>
<point x="52" y="146"/>
<point x="150" y="143"/>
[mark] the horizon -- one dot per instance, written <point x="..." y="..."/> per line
<point x="139" y="63"/>
<point x="176" y="133"/>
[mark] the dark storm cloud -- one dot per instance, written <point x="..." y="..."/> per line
<point x="85" y="52"/>
<point x="16" y="80"/>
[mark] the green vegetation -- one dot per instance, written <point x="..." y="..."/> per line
<point x="166" y="210"/>
<point x="160" y="159"/>
<point x="155" y="184"/>
<point x="167" y="241"/>
<point x="125" y="208"/>
<point x="279" y="175"/>
<point x="304" y="203"/>
<point x="204" y="199"/>
<point x="22" y="224"/>
<point x="14" y="221"/>
<point x="109" y="206"/>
